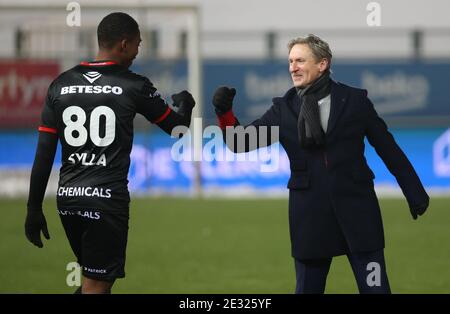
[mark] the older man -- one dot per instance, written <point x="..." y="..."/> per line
<point x="333" y="208"/>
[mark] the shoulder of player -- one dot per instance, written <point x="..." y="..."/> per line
<point x="142" y="85"/>
<point x="139" y="80"/>
<point x="66" y="75"/>
<point x="61" y="78"/>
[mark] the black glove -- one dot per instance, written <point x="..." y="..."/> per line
<point x="223" y="99"/>
<point x="34" y="224"/>
<point x="184" y="102"/>
<point x="419" y="210"/>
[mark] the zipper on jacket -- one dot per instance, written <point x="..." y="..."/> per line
<point x="325" y="158"/>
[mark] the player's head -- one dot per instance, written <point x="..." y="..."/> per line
<point x="119" y="36"/>
<point x="309" y="58"/>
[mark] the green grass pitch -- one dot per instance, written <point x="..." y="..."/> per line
<point x="223" y="246"/>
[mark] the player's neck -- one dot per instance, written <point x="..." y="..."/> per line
<point x="103" y="56"/>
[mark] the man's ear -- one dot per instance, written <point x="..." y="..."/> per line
<point x="323" y="64"/>
<point x="123" y="44"/>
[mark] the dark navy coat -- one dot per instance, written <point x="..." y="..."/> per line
<point x="333" y="208"/>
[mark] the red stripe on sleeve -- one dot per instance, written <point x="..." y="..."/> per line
<point x="160" y="119"/>
<point x="227" y="119"/>
<point x="48" y="130"/>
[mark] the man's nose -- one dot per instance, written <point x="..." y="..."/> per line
<point x="292" y="68"/>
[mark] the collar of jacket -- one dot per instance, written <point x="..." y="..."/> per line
<point x="339" y="97"/>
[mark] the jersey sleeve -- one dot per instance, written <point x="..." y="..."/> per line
<point x="150" y="104"/>
<point x="48" y="116"/>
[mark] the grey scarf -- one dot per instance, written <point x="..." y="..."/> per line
<point x="310" y="132"/>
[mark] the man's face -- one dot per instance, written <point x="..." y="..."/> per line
<point x="303" y="67"/>
<point x="130" y="49"/>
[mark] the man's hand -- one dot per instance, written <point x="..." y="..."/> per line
<point x="184" y="102"/>
<point x="34" y="224"/>
<point x="419" y="210"/>
<point x="223" y="99"/>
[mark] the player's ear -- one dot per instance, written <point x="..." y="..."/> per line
<point x="123" y="44"/>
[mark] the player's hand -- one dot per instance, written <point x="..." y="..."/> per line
<point x="419" y="210"/>
<point x="34" y="224"/>
<point x="184" y="101"/>
<point x="223" y="99"/>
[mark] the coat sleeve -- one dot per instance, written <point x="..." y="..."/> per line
<point x="259" y="133"/>
<point x="393" y="157"/>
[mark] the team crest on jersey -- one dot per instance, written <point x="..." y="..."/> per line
<point x="92" y="76"/>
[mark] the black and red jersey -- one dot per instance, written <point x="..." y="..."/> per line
<point x="91" y="108"/>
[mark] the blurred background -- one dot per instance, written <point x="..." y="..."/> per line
<point x="404" y="63"/>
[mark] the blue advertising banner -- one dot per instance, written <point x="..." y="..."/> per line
<point x="408" y="90"/>
<point x="398" y="89"/>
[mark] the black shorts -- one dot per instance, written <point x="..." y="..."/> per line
<point x="99" y="241"/>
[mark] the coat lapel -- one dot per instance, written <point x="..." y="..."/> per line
<point x="339" y="97"/>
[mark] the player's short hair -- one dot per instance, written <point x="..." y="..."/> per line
<point x="319" y="48"/>
<point x="115" y="27"/>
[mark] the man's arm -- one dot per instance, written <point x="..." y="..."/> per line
<point x="42" y="166"/>
<point x="250" y="137"/>
<point x="396" y="161"/>
<point x="184" y="102"/>
<point x="155" y="109"/>
<point x="45" y="154"/>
